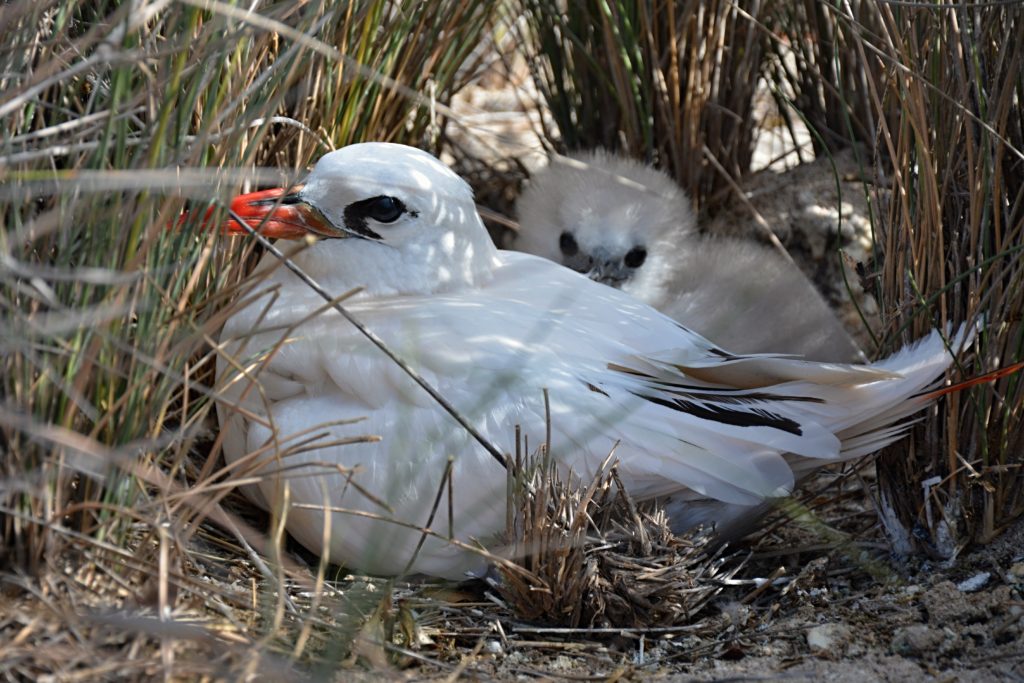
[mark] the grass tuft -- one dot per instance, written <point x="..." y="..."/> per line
<point x="953" y="230"/>
<point x="671" y="83"/>
<point x="588" y="557"/>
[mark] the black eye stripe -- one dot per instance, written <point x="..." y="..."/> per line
<point x="382" y="209"/>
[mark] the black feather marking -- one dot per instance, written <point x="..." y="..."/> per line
<point x="729" y="395"/>
<point x="753" y="417"/>
<point x="711" y="393"/>
<point x="596" y="389"/>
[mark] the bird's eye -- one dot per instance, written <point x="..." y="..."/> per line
<point x="567" y="243"/>
<point x="385" y="209"/>
<point x="635" y="257"/>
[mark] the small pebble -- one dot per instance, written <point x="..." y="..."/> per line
<point x="975" y="583"/>
<point x="828" y="638"/>
<point x="916" y="640"/>
<point x="493" y="647"/>
<point x="562" y="662"/>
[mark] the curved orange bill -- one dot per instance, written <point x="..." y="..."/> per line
<point x="278" y="214"/>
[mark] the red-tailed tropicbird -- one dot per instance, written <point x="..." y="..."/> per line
<point x="716" y="433"/>
<point x="630" y="226"/>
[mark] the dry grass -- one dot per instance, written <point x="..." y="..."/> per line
<point x="589" y="558"/>
<point x="953" y="234"/>
<point x="818" y="72"/>
<point x="672" y="83"/>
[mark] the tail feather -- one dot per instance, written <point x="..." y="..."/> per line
<point x="867" y="410"/>
<point x="981" y="379"/>
<point x="873" y="440"/>
<point x="868" y="415"/>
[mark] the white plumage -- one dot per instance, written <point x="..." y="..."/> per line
<point x="630" y="226"/>
<point x="492" y="330"/>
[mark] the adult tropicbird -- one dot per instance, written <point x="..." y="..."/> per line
<point x="630" y="226"/>
<point x="717" y="433"/>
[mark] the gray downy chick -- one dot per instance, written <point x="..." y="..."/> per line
<point x="630" y="226"/>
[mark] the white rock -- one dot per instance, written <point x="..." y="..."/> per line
<point x="828" y="638"/>
<point x="975" y="583"/>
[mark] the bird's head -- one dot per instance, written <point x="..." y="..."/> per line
<point x="389" y="218"/>
<point x="609" y="217"/>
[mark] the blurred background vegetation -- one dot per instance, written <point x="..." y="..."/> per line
<point x="117" y="116"/>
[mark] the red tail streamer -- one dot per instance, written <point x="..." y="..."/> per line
<point x="981" y="379"/>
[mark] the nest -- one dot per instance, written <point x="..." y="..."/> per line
<point x="589" y="557"/>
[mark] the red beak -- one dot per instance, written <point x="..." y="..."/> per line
<point x="278" y="214"/>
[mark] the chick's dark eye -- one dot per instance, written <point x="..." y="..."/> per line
<point x="567" y="243"/>
<point x="385" y="209"/>
<point x="635" y="257"/>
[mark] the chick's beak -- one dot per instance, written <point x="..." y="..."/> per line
<point x="605" y="268"/>
<point x="607" y="274"/>
<point x="278" y="214"/>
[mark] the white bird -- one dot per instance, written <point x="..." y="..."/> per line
<point x="630" y="226"/>
<point x="492" y="330"/>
